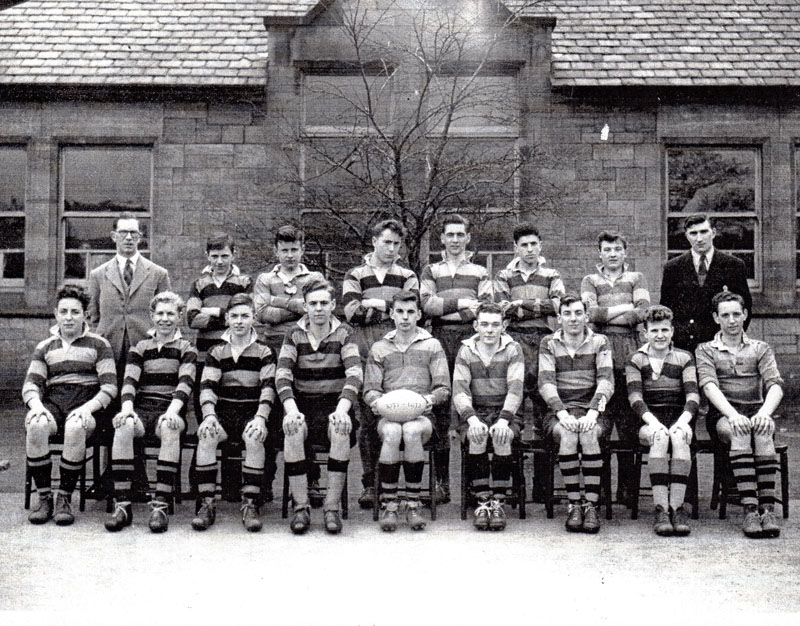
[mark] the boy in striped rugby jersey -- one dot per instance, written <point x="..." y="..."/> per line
<point x="367" y="292"/>
<point x="236" y="396"/>
<point x="159" y="378"/>
<point x="450" y="291"/>
<point x="616" y="300"/>
<point x="488" y="382"/>
<point x="662" y="391"/>
<point x="318" y="379"/>
<point x="576" y="380"/>
<point x="733" y="370"/>
<point x="278" y="298"/>
<point x="406" y="358"/>
<point x="71" y="379"/>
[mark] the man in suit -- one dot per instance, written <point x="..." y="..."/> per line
<point x="692" y="279"/>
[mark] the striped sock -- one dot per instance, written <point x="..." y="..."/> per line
<point x="501" y="475"/>
<point x="478" y="470"/>
<point x="413" y="475"/>
<point x="766" y="468"/>
<point x="658" y="467"/>
<point x="744" y="473"/>
<point x="678" y="478"/>
<point x="122" y="475"/>
<point x="389" y="474"/>
<point x="69" y="472"/>
<point x="592" y="466"/>
<point x="166" y="476"/>
<point x="297" y="471"/>
<point x="41" y="471"/>
<point x="571" y="473"/>
<point x="207" y="479"/>
<point x="252" y="479"/>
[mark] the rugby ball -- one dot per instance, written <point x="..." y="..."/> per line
<point x="400" y="405"/>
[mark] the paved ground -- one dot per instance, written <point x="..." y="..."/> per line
<point x="448" y="574"/>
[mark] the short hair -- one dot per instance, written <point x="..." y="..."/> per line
<point x="524" y="230"/>
<point x="455" y="218"/>
<point x="168" y="297"/>
<point x="490" y="307"/>
<point x="393" y="225"/>
<point x="241" y="299"/>
<point x="127" y="215"/>
<point x="220" y="241"/>
<point x="611" y="236"/>
<point x="694" y="219"/>
<point x="406" y="296"/>
<point x="568" y="299"/>
<point x="318" y="285"/>
<point x="657" y="313"/>
<point x="288" y="234"/>
<point x="726" y="296"/>
<point x="75" y="292"/>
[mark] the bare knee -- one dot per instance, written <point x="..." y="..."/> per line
<point x="391" y="434"/>
<point x="566" y="439"/>
<point x="764" y="445"/>
<point x="589" y="441"/>
<point x="660" y="444"/>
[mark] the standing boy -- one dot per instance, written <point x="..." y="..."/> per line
<point x="406" y="358"/>
<point x="71" y="379"/>
<point x="367" y="293"/>
<point x="236" y="396"/>
<point x="488" y="385"/>
<point x="318" y="379"/>
<point x="733" y="370"/>
<point x="576" y="380"/>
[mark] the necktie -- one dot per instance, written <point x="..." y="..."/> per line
<point x="127" y="274"/>
<point x="702" y="271"/>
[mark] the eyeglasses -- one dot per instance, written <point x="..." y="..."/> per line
<point x="133" y="234"/>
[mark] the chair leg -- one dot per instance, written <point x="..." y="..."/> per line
<point x="28" y="486"/>
<point x="82" y="489"/>
<point x="432" y="480"/>
<point x="551" y="483"/>
<point x="694" y="489"/>
<point x="345" y="499"/>
<point x="285" y="494"/>
<point x="716" y="482"/>
<point x="465" y="481"/>
<point x="633" y="496"/>
<point x="605" y="479"/>
<point x="724" y="489"/>
<point x="519" y="482"/>
<point x="377" y="487"/>
<point x="784" y="460"/>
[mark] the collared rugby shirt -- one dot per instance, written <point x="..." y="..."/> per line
<point x="543" y="284"/>
<point x="600" y="292"/>
<point x="440" y="289"/>
<point x="674" y="387"/>
<point x="362" y="282"/>
<point x="279" y="302"/>
<point x="160" y="372"/>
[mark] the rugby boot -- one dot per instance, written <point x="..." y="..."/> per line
<point x="63" y="512"/>
<point x="367" y="498"/>
<point x="574" y="523"/>
<point x="497" y="518"/>
<point x="769" y="523"/>
<point x="662" y="525"/>
<point x="206" y="515"/>
<point x="388" y="516"/>
<point x="333" y="522"/>
<point x="159" y="516"/>
<point x="250" y="518"/>
<point x="680" y="522"/>
<point x="752" y="523"/>
<point x="120" y="518"/>
<point x="414" y="515"/>
<point x="44" y="512"/>
<point x="591" y="521"/>
<point x="482" y="514"/>
<point x="301" y="520"/>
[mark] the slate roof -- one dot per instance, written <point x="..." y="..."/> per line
<point x="155" y="42"/>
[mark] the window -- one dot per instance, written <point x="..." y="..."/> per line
<point x="96" y="184"/>
<point x="797" y="213"/>
<point x="725" y="183"/>
<point x="13" y="167"/>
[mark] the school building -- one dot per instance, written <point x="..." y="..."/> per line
<point x="186" y="112"/>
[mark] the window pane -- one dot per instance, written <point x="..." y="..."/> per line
<point x="344" y="101"/>
<point x="75" y="266"/>
<point x="12" y="232"/>
<point x="473" y="102"/>
<point x="477" y="173"/>
<point x="13" y="162"/>
<point x="711" y="180"/>
<point x="106" y="179"/>
<point x="92" y="233"/>
<point x="736" y="233"/>
<point x="14" y="265"/>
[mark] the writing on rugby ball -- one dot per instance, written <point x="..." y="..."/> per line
<point x="400" y="405"/>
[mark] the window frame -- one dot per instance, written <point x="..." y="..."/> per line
<point x="16" y="284"/>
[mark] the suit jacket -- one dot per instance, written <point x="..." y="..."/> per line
<point x="691" y="303"/>
<point x="116" y="309"/>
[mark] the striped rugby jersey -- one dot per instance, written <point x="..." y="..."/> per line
<point x="246" y="381"/>
<point x="278" y="300"/>
<point x="543" y="284"/>
<point x="422" y="367"/>
<point x="88" y="360"/>
<point x="440" y="289"/>
<point x="498" y="383"/>
<point x="332" y="367"/>
<point x="675" y="386"/>
<point x="600" y="292"/>
<point x="163" y="373"/>
<point x="205" y="293"/>
<point x="361" y="283"/>
<point x="742" y="374"/>
<point x="585" y="380"/>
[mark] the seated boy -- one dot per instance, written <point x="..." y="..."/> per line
<point x="488" y="381"/>
<point x="662" y="391"/>
<point x="406" y="358"/>
<point x="159" y="378"/>
<point x="318" y="379"/>
<point x="576" y="380"/>
<point x="732" y="371"/>
<point x="71" y="379"/>
<point x="236" y="396"/>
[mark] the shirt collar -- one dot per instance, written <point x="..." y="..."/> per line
<point x="121" y="260"/>
<point x="370" y="257"/>
<point x="515" y="262"/>
<point x="719" y="344"/>
<point x="421" y="334"/>
<point x="468" y="254"/>
<point x="472" y="342"/>
<point x="303" y="323"/>
<point x="226" y="337"/>
<point x="602" y="270"/>
<point x="559" y="335"/>
<point x="696" y="257"/>
<point x="175" y="337"/>
<point x="54" y="331"/>
<point x="210" y="271"/>
<point x="301" y="270"/>
<point x="645" y="351"/>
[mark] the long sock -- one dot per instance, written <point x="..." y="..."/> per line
<point x="501" y="475"/>
<point x="122" y="475"/>
<point x="413" y="474"/>
<point x="766" y="468"/>
<point x="659" y="480"/>
<point x="678" y="478"/>
<point x="69" y="471"/>
<point x="297" y="471"/>
<point x="571" y="473"/>
<point x="389" y="474"/>
<point x="337" y="472"/>
<point x="166" y="473"/>
<point x="41" y="471"/>
<point x="592" y="466"/>
<point x="207" y="479"/>
<point x="478" y="469"/>
<point x="252" y="479"/>
<point x="744" y="472"/>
